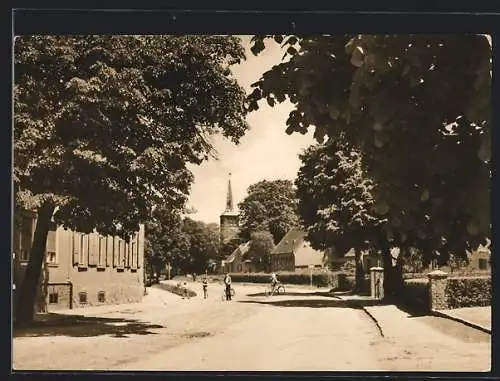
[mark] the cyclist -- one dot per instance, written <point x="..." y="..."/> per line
<point x="274" y="282"/>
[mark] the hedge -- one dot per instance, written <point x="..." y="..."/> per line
<point x="327" y="279"/>
<point x="468" y="292"/>
<point x="348" y="282"/>
<point x="416" y="294"/>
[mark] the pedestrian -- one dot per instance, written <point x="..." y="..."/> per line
<point x="227" y="282"/>
<point x="205" y="287"/>
<point x="194" y="277"/>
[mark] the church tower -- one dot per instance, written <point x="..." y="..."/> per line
<point x="229" y="220"/>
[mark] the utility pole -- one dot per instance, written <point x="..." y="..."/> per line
<point x="311" y="275"/>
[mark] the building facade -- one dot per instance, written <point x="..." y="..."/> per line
<point x="238" y="262"/>
<point x="81" y="269"/>
<point x="294" y="253"/>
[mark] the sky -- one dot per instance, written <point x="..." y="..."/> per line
<point x="266" y="152"/>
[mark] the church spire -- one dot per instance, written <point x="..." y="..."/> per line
<point x="229" y="199"/>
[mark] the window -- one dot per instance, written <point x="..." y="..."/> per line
<point x="483" y="264"/>
<point x="51" y="257"/>
<point x="53" y="297"/>
<point x="50" y="248"/>
<point x="93" y="249"/>
<point x="102" y="251"/>
<point x="84" y="249"/>
<point x="109" y="250"/>
<point x="134" y="255"/>
<point x="126" y="258"/>
<point x="26" y="237"/>
<point x="82" y="297"/>
<point x="101" y="297"/>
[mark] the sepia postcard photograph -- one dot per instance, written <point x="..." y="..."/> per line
<point x="251" y="202"/>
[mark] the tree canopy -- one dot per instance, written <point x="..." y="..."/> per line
<point x="336" y="199"/>
<point x="417" y="107"/>
<point x="203" y="245"/>
<point x="261" y="245"/>
<point x="165" y="240"/>
<point x="269" y="206"/>
<point x="104" y="127"/>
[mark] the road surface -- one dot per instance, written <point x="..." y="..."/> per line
<point x="298" y="331"/>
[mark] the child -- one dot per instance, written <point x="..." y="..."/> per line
<point x="205" y="287"/>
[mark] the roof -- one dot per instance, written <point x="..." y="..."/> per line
<point x="288" y="244"/>
<point x="240" y="250"/>
<point x="305" y="255"/>
<point x="294" y="242"/>
<point x="350" y="253"/>
<point x="230" y="213"/>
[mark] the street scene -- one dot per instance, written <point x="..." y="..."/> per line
<point x="252" y="203"/>
<point x="303" y="330"/>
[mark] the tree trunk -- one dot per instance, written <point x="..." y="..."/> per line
<point x="388" y="275"/>
<point x="360" y="273"/>
<point x="398" y="274"/>
<point x="26" y="303"/>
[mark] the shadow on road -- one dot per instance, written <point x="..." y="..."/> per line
<point x="85" y="326"/>
<point x="315" y="303"/>
<point x="316" y="293"/>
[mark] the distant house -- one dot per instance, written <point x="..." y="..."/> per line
<point x="369" y="260"/>
<point x="237" y="262"/>
<point x="480" y="258"/>
<point x="293" y="252"/>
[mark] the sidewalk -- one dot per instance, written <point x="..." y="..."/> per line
<point x="438" y="344"/>
<point x="476" y="317"/>
<point x="155" y="296"/>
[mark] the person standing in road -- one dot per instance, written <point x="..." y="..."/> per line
<point x="227" y="282"/>
<point x="205" y="287"/>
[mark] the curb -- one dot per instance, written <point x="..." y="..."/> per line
<point x="460" y="320"/>
<point x="374" y="320"/>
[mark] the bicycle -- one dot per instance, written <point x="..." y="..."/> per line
<point x="279" y="289"/>
<point x="223" y="296"/>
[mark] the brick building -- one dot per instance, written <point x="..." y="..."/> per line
<point x="81" y="269"/>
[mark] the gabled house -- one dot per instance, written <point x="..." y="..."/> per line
<point x="293" y="253"/>
<point x="237" y="262"/>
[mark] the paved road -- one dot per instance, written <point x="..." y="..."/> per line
<point x="299" y="331"/>
<point x="293" y="334"/>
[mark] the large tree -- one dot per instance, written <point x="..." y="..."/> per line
<point x="269" y="206"/>
<point x="261" y="245"/>
<point x="165" y="243"/>
<point x="104" y="127"/>
<point x="203" y="245"/>
<point x="336" y="202"/>
<point x="418" y="109"/>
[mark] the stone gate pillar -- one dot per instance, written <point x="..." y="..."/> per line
<point x="377" y="282"/>
<point x="437" y="286"/>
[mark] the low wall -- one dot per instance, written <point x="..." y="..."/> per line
<point x="440" y="292"/>
<point x="348" y="283"/>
